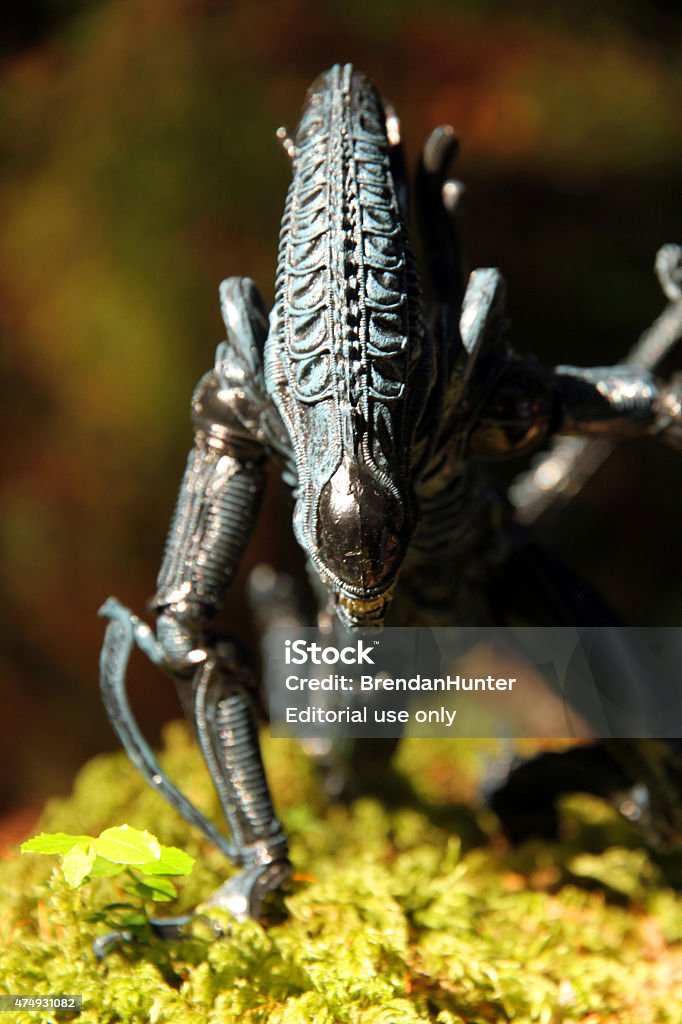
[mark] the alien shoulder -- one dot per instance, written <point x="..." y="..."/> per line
<point x="517" y="413"/>
<point x="228" y="401"/>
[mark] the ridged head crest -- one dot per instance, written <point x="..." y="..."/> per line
<point x="346" y="340"/>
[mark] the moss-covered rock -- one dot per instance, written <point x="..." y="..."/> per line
<point x="410" y="913"/>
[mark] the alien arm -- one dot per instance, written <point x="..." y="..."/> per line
<point x="216" y="510"/>
<point x="528" y="404"/>
<point x="221" y="492"/>
<point x="520" y="403"/>
<point x="617" y="402"/>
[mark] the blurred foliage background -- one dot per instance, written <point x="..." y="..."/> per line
<point x="139" y="167"/>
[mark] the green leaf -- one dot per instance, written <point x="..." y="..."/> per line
<point x="53" y="842"/>
<point x="103" y="868"/>
<point x="77" y="862"/>
<point x="159" y="889"/>
<point x="126" y="845"/>
<point x="171" y="862"/>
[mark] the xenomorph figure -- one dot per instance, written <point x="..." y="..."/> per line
<point x="380" y="408"/>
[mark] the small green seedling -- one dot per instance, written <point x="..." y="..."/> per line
<point x="115" y="851"/>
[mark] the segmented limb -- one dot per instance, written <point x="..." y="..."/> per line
<point x="225" y="723"/>
<point x="216" y="510"/>
<point x="560" y="473"/>
<point x="123" y="631"/>
<point x="225" y="718"/>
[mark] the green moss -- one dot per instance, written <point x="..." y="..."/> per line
<point x="398" y="920"/>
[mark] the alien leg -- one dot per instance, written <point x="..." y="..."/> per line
<point x="220" y="709"/>
<point x="227" y="729"/>
<point x="217" y="507"/>
<point x="216" y="510"/>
